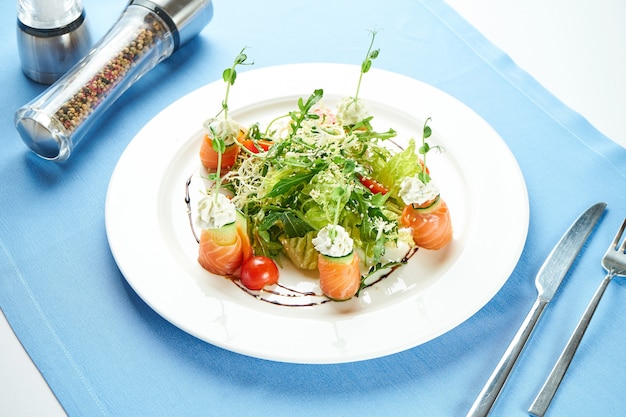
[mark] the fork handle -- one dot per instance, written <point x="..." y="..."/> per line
<point x="545" y="395"/>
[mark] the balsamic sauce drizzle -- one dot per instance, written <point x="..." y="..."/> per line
<point x="290" y="293"/>
<point x="188" y="203"/>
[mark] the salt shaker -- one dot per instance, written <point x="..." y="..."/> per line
<point x="52" y="35"/>
<point x="146" y="33"/>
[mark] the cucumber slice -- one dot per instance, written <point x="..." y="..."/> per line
<point x="225" y="235"/>
<point x="346" y="259"/>
<point x="241" y="221"/>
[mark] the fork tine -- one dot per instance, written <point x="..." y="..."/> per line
<point x="618" y="236"/>
<point x="623" y="247"/>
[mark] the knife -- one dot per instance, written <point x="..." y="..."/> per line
<point x="547" y="282"/>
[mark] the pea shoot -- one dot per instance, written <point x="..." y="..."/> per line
<point x="367" y="62"/>
<point x="230" y="75"/>
<point x="424" y="149"/>
<point x="218" y="138"/>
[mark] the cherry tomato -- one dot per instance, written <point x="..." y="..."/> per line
<point x="374" y="186"/>
<point x="252" y="146"/>
<point x="258" y="271"/>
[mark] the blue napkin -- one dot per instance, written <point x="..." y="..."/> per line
<point x="104" y="352"/>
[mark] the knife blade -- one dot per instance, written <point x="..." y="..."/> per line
<point x="547" y="281"/>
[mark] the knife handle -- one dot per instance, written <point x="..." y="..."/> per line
<point x="491" y="390"/>
<point x="544" y="398"/>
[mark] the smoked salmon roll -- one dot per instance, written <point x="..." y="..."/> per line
<point x="340" y="278"/>
<point x="337" y="263"/>
<point x="224" y="242"/>
<point x="222" y="251"/>
<point x="231" y="134"/>
<point x="431" y="226"/>
<point x="426" y="213"/>
<point x="210" y="158"/>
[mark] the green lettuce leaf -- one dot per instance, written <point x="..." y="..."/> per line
<point x="301" y="250"/>
<point x="401" y="165"/>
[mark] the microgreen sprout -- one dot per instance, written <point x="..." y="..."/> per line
<point x="337" y="195"/>
<point x="367" y="62"/>
<point x="424" y="149"/>
<point x="230" y="75"/>
<point x="218" y="141"/>
<point x="219" y="146"/>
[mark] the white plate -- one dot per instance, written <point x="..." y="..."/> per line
<point x="149" y="234"/>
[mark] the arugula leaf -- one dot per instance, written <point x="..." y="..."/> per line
<point x="287" y="221"/>
<point x="286" y="184"/>
<point x="294" y="226"/>
<point x="303" y="114"/>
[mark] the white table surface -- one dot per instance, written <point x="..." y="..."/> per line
<point x="573" y="48"/>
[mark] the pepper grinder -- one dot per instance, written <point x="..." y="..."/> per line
<point x="146" y="33"/>
<point x="52" y="35"/>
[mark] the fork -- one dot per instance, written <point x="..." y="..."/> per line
<point x="614" y="262"/>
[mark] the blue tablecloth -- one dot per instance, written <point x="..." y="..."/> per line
<point x="104" y="352"/>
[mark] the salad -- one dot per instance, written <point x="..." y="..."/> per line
<point x="318" y="187"/>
